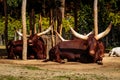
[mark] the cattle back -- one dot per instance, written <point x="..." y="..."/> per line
<point x="73" y="44"/>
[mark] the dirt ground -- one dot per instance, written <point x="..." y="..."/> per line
<point x="38" y="70"/>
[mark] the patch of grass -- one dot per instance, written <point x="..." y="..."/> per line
<point x="81" y="77"/>
<point x="61" y="78"/>
<point x="32" y="68"/>
<point x="8" y="77"/>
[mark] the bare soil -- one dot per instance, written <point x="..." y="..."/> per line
<point x="38" y="70"/>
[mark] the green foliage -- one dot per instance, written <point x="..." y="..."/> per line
<point x="13" y="3"/>
<point x="2" y="25"/>
<point x="115" y="17"/>
<point x="85" y="18"/>
<point x="12" y="22"/>
<point x="45" y="22"/>
<point x="68" y="21"/>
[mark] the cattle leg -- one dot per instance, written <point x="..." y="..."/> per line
<point x="11" y="54"/>
<point x="57" y="53"/>
<point x="44" y="52"/>
<point x="98" y="60"/>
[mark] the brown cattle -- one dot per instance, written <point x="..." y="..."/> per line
<point x="38" y="45"/>
<point x="35" y="43"/>
<point x="86" y="49"/>
<point x="15" y="49"/>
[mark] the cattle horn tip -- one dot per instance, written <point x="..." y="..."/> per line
<point x="104" y="33"/>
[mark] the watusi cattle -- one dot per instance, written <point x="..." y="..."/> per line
<point x="85" y="49"/>
<point x="38" y="45"/>
<point x="35" y="43"/>
<point x="15" y="50"/>
<point x="68" y="52"/>
<point x="115" y="52"/>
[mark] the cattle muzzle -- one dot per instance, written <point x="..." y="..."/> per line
<point x="30" y="42"/>
<point x="92" y="52"/>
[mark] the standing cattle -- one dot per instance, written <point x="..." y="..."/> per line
<point x="86" y="49"/>
<point x="35" y="43"/>
<point x="115" y="52"/>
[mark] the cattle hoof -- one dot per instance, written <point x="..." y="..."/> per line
<point x="46" y="60"/>
<point x="62" y="62"/>
<point x="100" y="62"/>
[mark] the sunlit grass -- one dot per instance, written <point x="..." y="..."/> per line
<point x="81" y="77"/>
<point x="32" y="68"/>
<point x="9" y="77"/>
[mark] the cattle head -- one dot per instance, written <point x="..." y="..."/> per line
<point x="34" y="37"/>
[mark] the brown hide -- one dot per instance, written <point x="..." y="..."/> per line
<point x="100" y="51"/>
<point x="15" y="49"/>
<point x="57" y="54"/>
<point x="38" y="46"/>
<point x="73" y="44"/>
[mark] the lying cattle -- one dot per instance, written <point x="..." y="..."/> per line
<point x="38" y="45"/>
<point x="15" y="50"/>
<point x="35" y="43"/>
<point x="70" y="53"/>
<point x="115" y="52"/>
<point x="86" y="49"/>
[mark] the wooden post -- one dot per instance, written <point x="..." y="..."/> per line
<point x="95" y="17"/>
<point x="24" y="53"/>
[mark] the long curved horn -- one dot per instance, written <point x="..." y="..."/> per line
<point x="60" y="36"/>
<point x="46" y="31"/>
<point x="78" y="35"/>
<point x="103" y="34"/>
<point x="19" y="33"/>
<point x="89" y="33"/>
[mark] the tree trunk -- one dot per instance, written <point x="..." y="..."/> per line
<point x="62" y="8"/>
<point x="60" y="15"/>
<point x="51" y="20"/>
<point x="95" y="17"/>
<point x="32" y="21"/>
<point x="24" y="53"/>
<point x="6" y="23"/>
<point x="40" y="23"/>
<point x="75" y="16"/>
